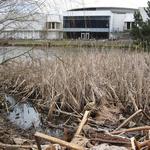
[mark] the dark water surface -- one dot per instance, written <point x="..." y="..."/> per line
<point x="41" y="52"/>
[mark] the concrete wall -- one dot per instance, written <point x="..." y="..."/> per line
<point x="118" y="22"/>
<point x="32" y="35"/>
<point x="33" y="29"/>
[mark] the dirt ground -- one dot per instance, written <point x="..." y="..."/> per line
<point x="8" y="131"/>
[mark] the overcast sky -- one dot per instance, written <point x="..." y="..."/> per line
<point x="62" y="5"/>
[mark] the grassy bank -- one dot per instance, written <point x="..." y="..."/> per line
<point x="71" y="43"/>
<point x="86" y="81"/>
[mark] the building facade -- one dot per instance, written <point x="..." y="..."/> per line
<point x="38" y="27"/>
<point x="97" y="22"/>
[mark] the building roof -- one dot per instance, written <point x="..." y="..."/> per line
<point x="112" y="9"/>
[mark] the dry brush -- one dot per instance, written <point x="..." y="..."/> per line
<point x="81" y="82"/>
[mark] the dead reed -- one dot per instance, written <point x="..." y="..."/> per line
<point x="81" y="82"/>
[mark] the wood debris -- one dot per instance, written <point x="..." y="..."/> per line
<point x="87" y="137"/>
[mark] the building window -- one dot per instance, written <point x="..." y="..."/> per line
<point x="50" y="25"/>
<point x="128" y="25"/>
<point x="86" y="22"/>
<point x="53" y="25"/>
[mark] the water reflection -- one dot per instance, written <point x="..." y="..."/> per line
<point x="24" y="115"/>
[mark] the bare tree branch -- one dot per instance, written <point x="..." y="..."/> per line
<point x="17" y="56"/>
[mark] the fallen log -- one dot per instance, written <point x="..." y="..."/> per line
<point x="56" y="141"/>
<point x="131" y="130"/>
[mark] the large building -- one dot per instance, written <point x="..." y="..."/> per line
<point x="97" y="22"/>
<point x="79" y="23"/>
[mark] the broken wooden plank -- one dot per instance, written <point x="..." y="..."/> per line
<point x="83" y="121"/>
<point x="58" y="141"/>
<point x="132" y="130"/>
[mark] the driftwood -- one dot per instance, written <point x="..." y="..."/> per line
<point x="56" y="141"/>
<point x="127" y="120"/>
<point x="131" y="130"/>
<point x="78" y="139"/>
<point x="105" y="137"/>
<point x="9" y="146"/>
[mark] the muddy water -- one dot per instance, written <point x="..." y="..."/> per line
<point x="25" y="116"/>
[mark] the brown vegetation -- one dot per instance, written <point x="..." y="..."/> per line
<point x="81" y="82"/>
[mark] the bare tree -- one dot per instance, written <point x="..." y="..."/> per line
<point x="17" y="15"/>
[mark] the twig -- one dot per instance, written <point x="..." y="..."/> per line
<point x="7" y="109"/>
<point x="83" y="121"/>
<point x="77" y="116"/>
<point x="67" y="113"/>
<point x="127" y="120"/>
<point x="110" y="141"/>
<point x="60" y="127"/>
<point x="131" y="130"/>
<point x="146" y="115"/>
<point x="58" y="141"/>
<point x="52" y="106"/>
<point x="15" y="56"/>
<point x="16" y="146"/>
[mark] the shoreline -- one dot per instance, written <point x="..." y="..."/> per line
<point x="127" y="44"/>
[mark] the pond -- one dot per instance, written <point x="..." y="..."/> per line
<point x="41" y="52"/>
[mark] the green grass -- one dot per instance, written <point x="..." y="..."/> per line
<point x="72" y="43"/>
